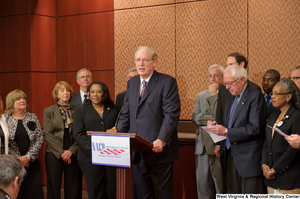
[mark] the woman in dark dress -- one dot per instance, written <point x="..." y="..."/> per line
<point x="97" y="114"/>
<point x="3" y="131"/>
<point x="25" y="141"/>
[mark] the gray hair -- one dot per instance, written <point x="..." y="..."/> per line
<point x="131" y="70"/>
<point x="77" y="76"/>
<point x="237" y="71"/>
<point x="291" y="87"/>
<point x="295" y="68"/>
<point x="10" y="168"/>
<point x="153" y="53"/>
<point x="216" y="66"/>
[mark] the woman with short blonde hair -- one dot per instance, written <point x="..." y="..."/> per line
<point x="25" y="140"/>
<point x="61" y="147"/>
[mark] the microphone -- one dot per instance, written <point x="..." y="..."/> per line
<point x="117" y="120"/>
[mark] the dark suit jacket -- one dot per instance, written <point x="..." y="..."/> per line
<point x="54" y="131"/>
<point x="278" y="154"/>
<point x="222" y="94"/>
<point x="246" y="134"/>
<point x="88" y="119"/>
<point x="120" y="99"/>
<point x="154" y="116"/>
<point x="76" y="99"/>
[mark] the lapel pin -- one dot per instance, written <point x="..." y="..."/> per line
<point x="242" y="103"/>
<point x="279" y="123"/>
<point x="108" y="108"/>
<point x="287" y="116"/>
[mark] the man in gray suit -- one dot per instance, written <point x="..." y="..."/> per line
<point x="84" y="80"/>
<point x="208" y="170"/>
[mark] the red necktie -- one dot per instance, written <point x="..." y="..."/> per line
<point x="144" y="86"/>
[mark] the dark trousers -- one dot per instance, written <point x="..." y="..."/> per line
<point x="31" y="186"/>
<point x="100" y="180"/>
<point x="151" y="181"/>
<point x="235" y="184"/>
<point x="72" y="177"/>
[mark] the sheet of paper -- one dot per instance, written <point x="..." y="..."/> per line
<point x="279" y="131"/>
<point x="215" y="137"/>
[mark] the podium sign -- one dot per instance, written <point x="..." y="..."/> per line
<point x="111" y="150"/>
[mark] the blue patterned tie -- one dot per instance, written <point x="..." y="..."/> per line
<point x="268" y="97"/>
<point x="233" y="107"/>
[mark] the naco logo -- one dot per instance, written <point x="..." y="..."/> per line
<point x="102" y="149"/>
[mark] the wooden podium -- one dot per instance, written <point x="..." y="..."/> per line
<point x="124" y="175"/>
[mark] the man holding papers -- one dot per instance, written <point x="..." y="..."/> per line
<point x="208" y="170"/>
<point x="280" y="161"/>
<point x="244" y="123"/>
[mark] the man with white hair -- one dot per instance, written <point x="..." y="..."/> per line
<point x="12" y="174"/>
<point x="208" y="170"/>
<point x="84" y="80"/>
<point x="244" y="123"/>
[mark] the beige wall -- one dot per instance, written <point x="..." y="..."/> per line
<point x="189" y="36"/>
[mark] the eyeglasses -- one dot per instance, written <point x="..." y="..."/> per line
<point x="144" y="61"/>
<point x="231" y="83"/>
<point x="215" y="76"/>
<point x="295" y="78"/>
<point x="87" y="76"/>
<point x="276" y="94"/>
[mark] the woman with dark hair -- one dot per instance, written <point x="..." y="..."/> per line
<point x="25" y="140"/>
<point x="61" y="147"/>
<point x="97" y="114"/>
<point x="3" y="132"/>
<point x="280" y="161"/>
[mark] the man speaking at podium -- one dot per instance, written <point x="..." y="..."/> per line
<point x="151" y="109"/>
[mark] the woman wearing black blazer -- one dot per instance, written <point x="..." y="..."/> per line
<point x="61" y="147"/>
<point x="97" y="114"/>
<point x="280" y="161"/>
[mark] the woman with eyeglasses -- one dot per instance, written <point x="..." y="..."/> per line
<point x="3" y="132"/>
<point x="280" y="161"/>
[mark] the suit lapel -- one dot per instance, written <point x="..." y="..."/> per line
<point x="240" y="105"/>
<point x="271" y="121"/>
<point x="150" y="86"/>
<point x="91" y="110"/>
<point x="285" y="118"/>
<point x="105" y="112"/>
<point x="227" y="108"/>
<point x="57" y="115"/>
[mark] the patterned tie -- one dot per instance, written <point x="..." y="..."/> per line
<point x="84" y="100"/>
<point x="233" y="107"/>
<point x="268" y="97"/>
<point x="144" y="86"/>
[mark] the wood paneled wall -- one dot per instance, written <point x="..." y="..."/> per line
<point x="191" y="35"/>
<point x="45" y="41"/>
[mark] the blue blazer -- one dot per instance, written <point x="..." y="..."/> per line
<point x="278" y="154"/>
<point x="247" y="132"/>
<point x="154" y="116"/>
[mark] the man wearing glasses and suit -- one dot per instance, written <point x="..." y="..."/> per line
<point x="84" y="80"/>
<point x="244" y="124"/>
<point x="151" y="109"/>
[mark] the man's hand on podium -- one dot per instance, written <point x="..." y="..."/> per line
<point x="112" y="130"/>
<point x="158" y="146"/>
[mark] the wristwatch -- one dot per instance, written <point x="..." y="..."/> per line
<point x="226" y="132"/>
